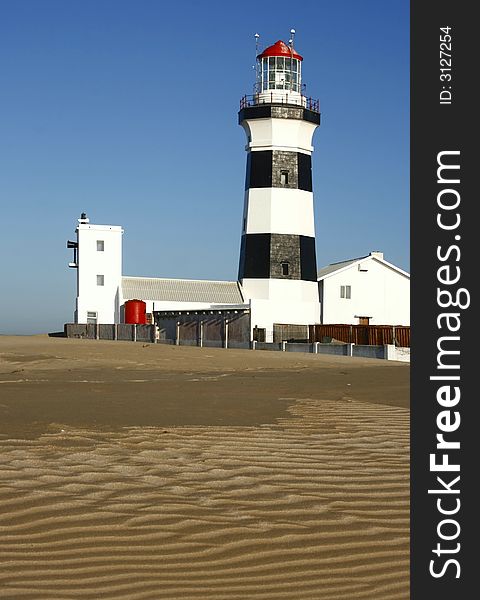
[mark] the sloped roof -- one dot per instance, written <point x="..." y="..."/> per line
<point x="334" y="267"/>
<point x="181" y="290"/>
<point x="337" y="266"/>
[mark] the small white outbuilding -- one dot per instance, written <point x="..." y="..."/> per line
<point x="365" y="290"/>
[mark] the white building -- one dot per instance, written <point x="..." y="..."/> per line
<point x="365" y="290"/>
<point x="98" y="260"/>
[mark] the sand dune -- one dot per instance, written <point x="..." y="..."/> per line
<point x="299" y="492"/>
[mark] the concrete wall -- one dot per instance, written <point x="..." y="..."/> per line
<point x="379" y="292"/>
<point x="386" y="352"/>
<point x="368" y="351"/>
<point x="402" y="354"/>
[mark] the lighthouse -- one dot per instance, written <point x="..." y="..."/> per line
<point x="277" y="269"/>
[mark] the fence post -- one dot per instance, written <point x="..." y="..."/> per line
<point x="97" y="331"/>
<point x="284" y="346"/>
<point x="389" y="352"/>
<point x="177" y="334"/>
<point x="134" y="332"/>
<point x="350" y="349"/>
<point x="315" y="346"/>
<point x="201" y="334"/>
<point x="115" y="331"/>
<point x="226" y="333"/>
<point x="254" y="344"/>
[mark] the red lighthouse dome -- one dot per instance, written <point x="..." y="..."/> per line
<point x="280" y="49"/>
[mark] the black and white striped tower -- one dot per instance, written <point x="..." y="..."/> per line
<point x="277" y="257"/>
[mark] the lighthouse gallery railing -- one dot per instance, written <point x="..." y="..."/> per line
<point x="276" y="98"/>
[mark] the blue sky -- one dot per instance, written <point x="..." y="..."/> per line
<point x="128" y="110"/>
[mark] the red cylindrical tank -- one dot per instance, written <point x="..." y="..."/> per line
<point x="135" y="312"/>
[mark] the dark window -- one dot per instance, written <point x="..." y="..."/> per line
<point x="284" y="177"/>
<point x="285" y="268"/>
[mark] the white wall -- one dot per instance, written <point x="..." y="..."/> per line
<point x="281" y="301"/>
<point x="283" y="134"/>
<point x="282" y="290"/>
<point x="265" y="313"/>
<point x="104" y="300"/>
<point x="380" y="292"/>
<point x="282" y="96"/>
<point x="279" y="210"/>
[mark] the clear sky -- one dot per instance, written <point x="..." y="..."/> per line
<point x="127" y="109"/>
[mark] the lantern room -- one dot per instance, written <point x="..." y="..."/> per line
<point x="278" y="79"/>
<point x="279" y="68"/>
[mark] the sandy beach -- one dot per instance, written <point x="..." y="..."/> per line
<point x="138" y="471"/>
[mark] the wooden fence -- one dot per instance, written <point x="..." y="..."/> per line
<point x="290" y="333"/>
<point x="375" y="335"/>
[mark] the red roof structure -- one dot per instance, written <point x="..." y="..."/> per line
<point x="280" y="49"/>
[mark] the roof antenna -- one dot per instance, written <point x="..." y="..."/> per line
<point x="292" y="38"/>
<point x="255" y="66"/>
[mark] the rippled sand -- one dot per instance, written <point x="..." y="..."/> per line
<point x="145" y="472"/>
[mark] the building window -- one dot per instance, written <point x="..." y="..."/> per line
<point x="285" y="266"/>
<point x="92" y="317"/>
<point x="279" y="73"/>
<point x="283" y="177"/>
<point x="100" y="279"/>
<point x="346" y="291"/>
<point x="100" y="245"/>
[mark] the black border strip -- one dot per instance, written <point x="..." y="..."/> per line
<point x="447" y="128"/>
